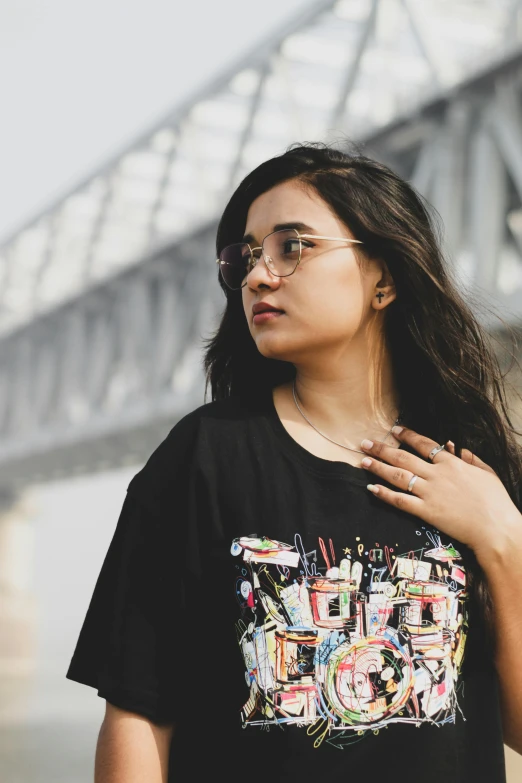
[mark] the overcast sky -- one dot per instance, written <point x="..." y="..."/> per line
<point x="81" y="79"/>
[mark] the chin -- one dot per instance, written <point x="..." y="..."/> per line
<point x="276" y="348"/>
<point x="269" y="346"/>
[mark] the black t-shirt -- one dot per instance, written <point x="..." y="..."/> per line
<point x="287" y="620"/>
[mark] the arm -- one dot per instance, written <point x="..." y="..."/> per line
<point x="131" y="749"/>
<point x="502" y="568"/>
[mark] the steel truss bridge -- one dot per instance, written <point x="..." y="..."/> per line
<point x="106" y="295"/>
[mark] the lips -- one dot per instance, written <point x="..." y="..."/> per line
<point x="266" y="316"/>
<point x="263" y="308"/>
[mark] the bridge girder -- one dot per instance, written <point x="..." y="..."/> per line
<point x="101" y="323"/>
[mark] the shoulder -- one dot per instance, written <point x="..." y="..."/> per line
<point x="191" y="426"/>
<point x="187" y="444"/>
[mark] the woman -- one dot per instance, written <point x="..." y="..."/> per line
<point x="295" y="586"/>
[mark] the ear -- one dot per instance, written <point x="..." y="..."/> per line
<point x="384" y="292"/>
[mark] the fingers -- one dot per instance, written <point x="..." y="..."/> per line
<point x="469" y="457"/>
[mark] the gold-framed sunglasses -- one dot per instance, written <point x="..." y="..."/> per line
<point x="281" y="251"/>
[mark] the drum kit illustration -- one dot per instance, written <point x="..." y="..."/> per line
<point x="318" y="647"/>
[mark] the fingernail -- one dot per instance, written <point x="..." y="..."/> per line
<point x="373" y="488"/>
<point x="396" y="429"/>
<point x="366" y="462"/>
<point x="367" y="444"/>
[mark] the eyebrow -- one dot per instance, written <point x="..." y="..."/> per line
<point x="248" y="238"/>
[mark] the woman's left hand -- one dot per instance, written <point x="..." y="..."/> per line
<point x="464" y="498"/>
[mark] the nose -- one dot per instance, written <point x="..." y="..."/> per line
<point x="261" y="275"/>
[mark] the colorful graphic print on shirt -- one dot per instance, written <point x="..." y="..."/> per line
<point x="345" y="648"/>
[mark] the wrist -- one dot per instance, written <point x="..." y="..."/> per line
<point x="502" y="544"/>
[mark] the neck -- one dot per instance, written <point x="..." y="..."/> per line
<point x="349" y="404"/>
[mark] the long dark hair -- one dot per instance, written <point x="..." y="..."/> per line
<point x="448" y="377"/>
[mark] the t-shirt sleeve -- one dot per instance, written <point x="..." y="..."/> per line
<point x="130" y="644"/>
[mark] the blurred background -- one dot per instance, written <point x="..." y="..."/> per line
<point x="125" y="128"/>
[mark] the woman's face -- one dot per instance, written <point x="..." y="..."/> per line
<point x="328" y="300"/>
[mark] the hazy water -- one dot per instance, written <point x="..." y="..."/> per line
<point x="49" y="725"/>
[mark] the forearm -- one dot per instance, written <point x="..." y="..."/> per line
<point x="131" y="749"/>
<point x="503" y="567"/>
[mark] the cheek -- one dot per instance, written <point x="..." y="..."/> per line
<point x="330" y="303"/>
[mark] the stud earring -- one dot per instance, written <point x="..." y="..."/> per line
<point x="379" y="296"/>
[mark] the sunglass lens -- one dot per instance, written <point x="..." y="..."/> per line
<point x="234" y="266"/>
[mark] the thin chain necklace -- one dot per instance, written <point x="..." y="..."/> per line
<point x="331" y="439"/>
